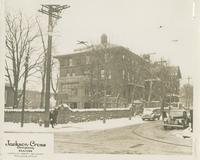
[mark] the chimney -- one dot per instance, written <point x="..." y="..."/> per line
<point x="104" y="39"/>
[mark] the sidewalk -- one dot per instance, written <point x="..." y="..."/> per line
<point x="72" y="127"/>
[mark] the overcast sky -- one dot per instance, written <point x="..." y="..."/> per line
<point x="130" y="23"/>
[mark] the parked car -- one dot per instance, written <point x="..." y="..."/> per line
<point x="151" y="114"/>
<point x="177" y="118"/>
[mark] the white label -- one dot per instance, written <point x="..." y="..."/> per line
<point x="27" y="146"/>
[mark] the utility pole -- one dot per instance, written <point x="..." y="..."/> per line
<point x="187" y="92"/>
<point x="150" y="88"/>
<point x="106" y="71"/>
<point x="162" y="78"/>
<point x="52" y="11"/>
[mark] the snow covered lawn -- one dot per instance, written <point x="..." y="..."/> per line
<point x="73" y="127"/>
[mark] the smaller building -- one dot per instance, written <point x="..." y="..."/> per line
<point x="8" y="96"/>
<point x="167" y="84"/>
<point x="186" y="96"/>
<point x="32" y="100"/>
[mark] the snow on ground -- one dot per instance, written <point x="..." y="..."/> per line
<point x="186" y="133"/>
<point x="73" y="127"/>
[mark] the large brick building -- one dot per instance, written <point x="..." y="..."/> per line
<point x="101" y="73"/>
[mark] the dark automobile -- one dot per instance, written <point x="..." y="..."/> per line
<point x="176" y="119"/>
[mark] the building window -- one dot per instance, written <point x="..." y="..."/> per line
<point x="87" y="105"/>
<point x="74" y="91"/>
<point x="70" y="91"/>
<point x="102" y="74"/>
<point x="108" y="91"/>
<point x="68" y="74"/>
<point x="109" y="74"/>
<point x="123" y="74"/>
<point x="128" y="76"/>
<point x="133" y="78"/>
<point x="73" y="74"/>
<point x="87" y="91"/>
<point x="123" y="57"/>
<point x="133" y="63"/>
<point x="87" y="59"/>
<point x="64" y="88"/>
<point x="106" y="57"/>
<point x="62" y="62"/>
<point x="124" y="93"/>
<point x="70" y="62"/>
<point x="78" y="61"/>
<point x="86" y="72"/>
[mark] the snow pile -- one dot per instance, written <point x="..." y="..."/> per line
<point x="73" y="127"/>
<point x="26" y="110"/>
<point x="100" y="109"/>
<point x="91" y="109"/>
<point x="186" y="133"/>
<point x="65" y="106"/>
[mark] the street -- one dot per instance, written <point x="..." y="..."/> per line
<point x="146" y="138"/>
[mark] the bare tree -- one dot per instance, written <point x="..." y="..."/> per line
<point x="20" y="41"/>
<point x="42" y="68"/>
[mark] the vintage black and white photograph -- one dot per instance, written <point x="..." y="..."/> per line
<point x="102" y="76"/>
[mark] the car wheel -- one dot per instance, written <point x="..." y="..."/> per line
<point x="165" y="127"/>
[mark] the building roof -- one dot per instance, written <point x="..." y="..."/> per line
<point x="97" y="47"/>
<point x="171" y="70"/>
<point x="88" y="48"/>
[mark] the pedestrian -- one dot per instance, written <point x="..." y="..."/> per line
<point x="51" y="117"/>
<point x="55" y="115"/>
<point x="40" y="121"/>
<point x="164" y="115"/>
<point x="191" y="119"/>
<point x="131" y="112"/>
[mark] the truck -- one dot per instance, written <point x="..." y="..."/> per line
<point x="176" y="118"/>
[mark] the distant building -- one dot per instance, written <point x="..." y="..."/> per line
<point x="32" y="98"/>
<point x="92" y="72"/>
<point x="8" y="96"/>
<point x="168" y="84"/>
<point x="186" y="96"/>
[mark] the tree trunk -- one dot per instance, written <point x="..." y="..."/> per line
<point x="23" y="100"/>
<point x="42" y="93"/>
<point x="15" y="96"/>
<point x="24" y="90"/>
